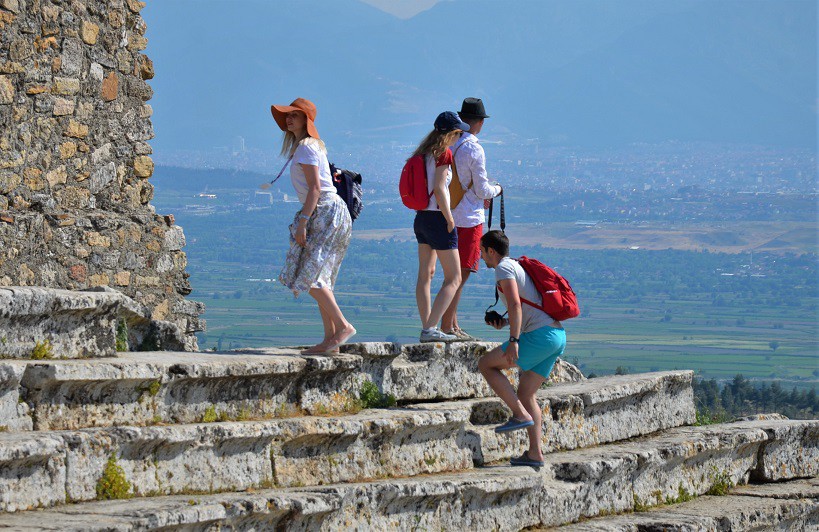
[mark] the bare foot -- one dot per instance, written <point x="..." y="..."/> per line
<point x="342" y="336"/>
<point x="318" y="349"/>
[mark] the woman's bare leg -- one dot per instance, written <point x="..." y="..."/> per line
<point x="451" y="264"/>
<point x="426" y="269"/>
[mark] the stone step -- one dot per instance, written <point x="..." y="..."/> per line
<point x="38" y="322"/>
<point x="50" y="467"/>
<point x="47" y="468"/>
<point x="783" y="506"/>
<point x="592" y="412"/>
<point x="573" y="485"/>
<point x="147" y="388"/>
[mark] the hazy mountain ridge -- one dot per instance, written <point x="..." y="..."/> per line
<point x="586" y="73"/>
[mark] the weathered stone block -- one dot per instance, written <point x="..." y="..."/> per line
<point x="14" y="413"/>
<point x="62" y="107"/>
<point x="89" y="32"/>
<point x="102" y="176"/>
<point x="6" y="90"/>
<point x="11" y="5"/>
<point x="76" y="130"/>
<point x="94" y="238"/>
<point x="110" y="87"/>
<point x="66" y="86"/>
<point x="58" y="176"/>
<point x="68" y="150"/>
<point x="72" y="57"/>
<point x="143" y="166"/>
<point x="174" y="239"/>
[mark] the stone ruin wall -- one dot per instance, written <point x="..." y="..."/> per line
<point x="75" y="158"/>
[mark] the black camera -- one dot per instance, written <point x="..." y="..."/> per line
<point x="492" y="316"/>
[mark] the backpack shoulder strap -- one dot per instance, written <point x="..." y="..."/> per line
<point x="455" y="167"/>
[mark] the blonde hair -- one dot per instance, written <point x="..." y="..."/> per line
<point x="436" y="143"/>
<point x="290" y="143"/>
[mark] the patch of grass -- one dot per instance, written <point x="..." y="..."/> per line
<point x="639" y="505"/>
<point x="287" y="410"/>
<point x="4" y="428"/>
<point x="113" y="484"/>
<point x="682" y="496"/>
<point x="371" y="397"/>
<point x="42" y="351"/>
<point x="122" y="336"/>
<point x="706" y="417"/>
<point x="151" y="389"/>
<point x="210" y="415"/>
<point x="721" y="483"/>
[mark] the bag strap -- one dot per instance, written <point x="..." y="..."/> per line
<point x="455" y="168"/>
<point x="283" y="168"/>
<point x="502" y="213"/>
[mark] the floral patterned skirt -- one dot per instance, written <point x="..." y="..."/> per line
<point x="328" y="235"/>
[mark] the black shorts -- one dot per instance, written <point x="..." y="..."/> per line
<point x="430" y="229"/>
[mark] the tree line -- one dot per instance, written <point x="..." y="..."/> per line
<point x="739" y="397"/>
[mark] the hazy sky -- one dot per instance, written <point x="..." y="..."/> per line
<point x="590" y="72"/>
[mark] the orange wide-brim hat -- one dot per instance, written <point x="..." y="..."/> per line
<point x="299" y="104"/>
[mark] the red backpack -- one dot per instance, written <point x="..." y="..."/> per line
<point x="413" y="183"/>
<point x="559" y="300"/>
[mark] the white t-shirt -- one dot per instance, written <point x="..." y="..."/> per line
<point x="309" y="152"/>
<point x="470" y="161"/>
<point x="532" y="318"/>
<point x="443" y="160"/>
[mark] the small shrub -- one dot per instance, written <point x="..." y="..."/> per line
<point x="3" y="428"/>
<point x="721" y="483"/>
<point x="122" y="336"/>
<point x="210" y="415"/>
<point x="287" y="410"/>
<point x="113" y="484"/>
<point x="371" y="397"/>
<point x="682" y="496"/>
<point x="639" y="505"/>
<point x="706" y="417"/>
<point x="42" y="351"/>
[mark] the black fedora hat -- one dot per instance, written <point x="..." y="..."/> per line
<point x="473" y="108"/>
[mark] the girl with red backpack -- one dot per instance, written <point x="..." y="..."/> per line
<point x="435" y="227"/>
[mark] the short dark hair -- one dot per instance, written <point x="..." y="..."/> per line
<point x="496" y="240"/>
<point x="471" y="120"/>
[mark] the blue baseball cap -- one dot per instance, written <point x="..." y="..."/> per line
<point x="448" y="121"/>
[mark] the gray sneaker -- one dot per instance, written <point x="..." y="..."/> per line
<point x="463" y="335"/>
<point x="436" y="335"/>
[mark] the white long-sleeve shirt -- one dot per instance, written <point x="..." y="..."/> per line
<point x="470" y="161"/>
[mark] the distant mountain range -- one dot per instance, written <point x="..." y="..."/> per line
<point x="585" y="72"/>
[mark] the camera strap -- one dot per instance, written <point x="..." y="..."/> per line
<point x="502" y="214"/>
<point x="503" y="230"/>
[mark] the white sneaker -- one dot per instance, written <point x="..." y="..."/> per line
<point x="436" y="335"/>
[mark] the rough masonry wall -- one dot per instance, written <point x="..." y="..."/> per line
<point x="74" y="157"/>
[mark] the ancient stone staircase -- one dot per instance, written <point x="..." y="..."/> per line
<point x="267" y="438"/>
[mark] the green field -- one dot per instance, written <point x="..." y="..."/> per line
<point x="654" y="333"/>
